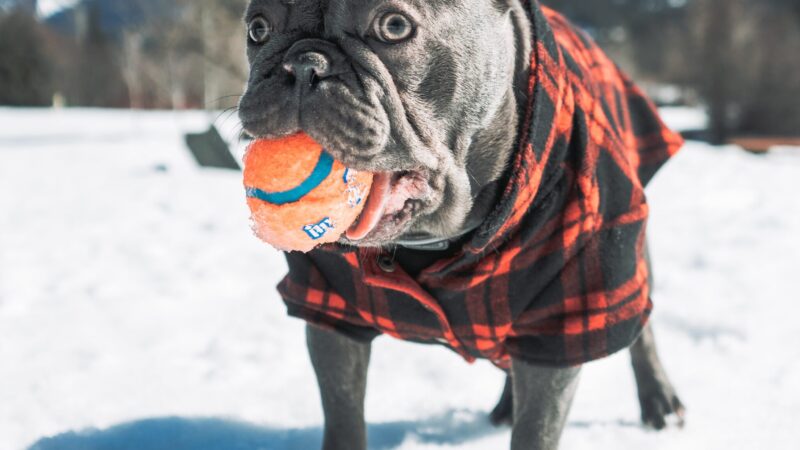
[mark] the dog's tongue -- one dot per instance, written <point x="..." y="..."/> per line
<point x="373" y="210"/>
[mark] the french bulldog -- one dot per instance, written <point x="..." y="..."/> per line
<point x="429" y="95"/>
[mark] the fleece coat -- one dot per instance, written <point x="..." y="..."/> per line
<point x="556" y="274"/>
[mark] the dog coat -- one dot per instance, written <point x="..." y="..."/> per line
<point x="556" y="275"/>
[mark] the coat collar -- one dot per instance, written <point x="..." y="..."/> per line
<point x="528" y="180"/>
<point x="532" y="153"/>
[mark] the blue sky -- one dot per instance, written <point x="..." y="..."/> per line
<point x="48" y="7"/>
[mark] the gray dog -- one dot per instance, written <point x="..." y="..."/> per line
<point x="487" y="129"/>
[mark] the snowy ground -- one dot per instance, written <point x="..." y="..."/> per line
<point x="131" y="288"/>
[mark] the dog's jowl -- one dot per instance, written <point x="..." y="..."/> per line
<point x="512" y="225"/>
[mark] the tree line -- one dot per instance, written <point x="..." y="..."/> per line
<point x="739" y="58"/>
<point x="184" y="54"/>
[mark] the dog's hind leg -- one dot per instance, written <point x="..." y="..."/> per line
<point x="542" y="399"/>
<point x="341" y="366"/>
<point x="657" y="396"/>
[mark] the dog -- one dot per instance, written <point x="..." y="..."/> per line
<point x="507" y="216"/>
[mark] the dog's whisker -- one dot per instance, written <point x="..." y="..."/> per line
<point x="230" y="111"/>
<point x="210" y="103"/>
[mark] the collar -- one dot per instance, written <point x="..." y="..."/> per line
<point x="434" y="244"/>
<point x="528" y="161"/>
<point x="533" y="172"/>
<point x="527" y="181"/>
<point x="553" y="160"/>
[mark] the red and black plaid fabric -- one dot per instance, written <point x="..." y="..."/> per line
<point x="556" y="274"/>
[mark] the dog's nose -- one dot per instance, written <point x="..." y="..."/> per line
<point x="308" y="67"/>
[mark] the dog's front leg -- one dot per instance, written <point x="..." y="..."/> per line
<point x="341" y="367"/>
<point x="542" y="399"/>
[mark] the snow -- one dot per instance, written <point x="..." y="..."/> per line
<point x="682" y="118"/>
<point x="131" y="288"/>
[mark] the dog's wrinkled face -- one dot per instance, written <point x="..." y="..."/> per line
<point x="397" y="87"/>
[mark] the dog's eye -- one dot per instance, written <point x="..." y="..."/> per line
<point x="259" y="30"/>
<point x="394" y="27"/>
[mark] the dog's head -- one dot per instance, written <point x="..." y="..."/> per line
<point x="419" y="91"/>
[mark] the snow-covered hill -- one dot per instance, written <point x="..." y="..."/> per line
<point x="131" y="288"/>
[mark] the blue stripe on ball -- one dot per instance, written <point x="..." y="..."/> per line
<point x="318" y="175"/>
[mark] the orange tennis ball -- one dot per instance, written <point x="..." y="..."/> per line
<point x="299" y="196"/>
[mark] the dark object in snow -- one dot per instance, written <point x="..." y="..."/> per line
<point x="702" y="135"/>
<point x="210" y="150"/>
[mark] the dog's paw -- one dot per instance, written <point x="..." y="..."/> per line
<point x="659" y="404"/>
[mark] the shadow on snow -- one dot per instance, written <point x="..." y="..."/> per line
<point x="175" y="433"/>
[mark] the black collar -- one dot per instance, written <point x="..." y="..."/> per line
<point x="435" y="244"/>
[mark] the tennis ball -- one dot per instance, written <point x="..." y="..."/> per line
<point x="299" y="196"/>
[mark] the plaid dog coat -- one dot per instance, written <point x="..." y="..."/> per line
<point x="556" y="275"/>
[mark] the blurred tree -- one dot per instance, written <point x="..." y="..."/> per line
<point x="94" y="78"/>
<point x="713" y="66"/>
<point x="744" y="64"/>
<point x="189" y="56"/>
<point x="739" y="56"/>
<point x="770" y="103"/>
<point x="637" y="34"/>
<point x="25" y="70"/>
